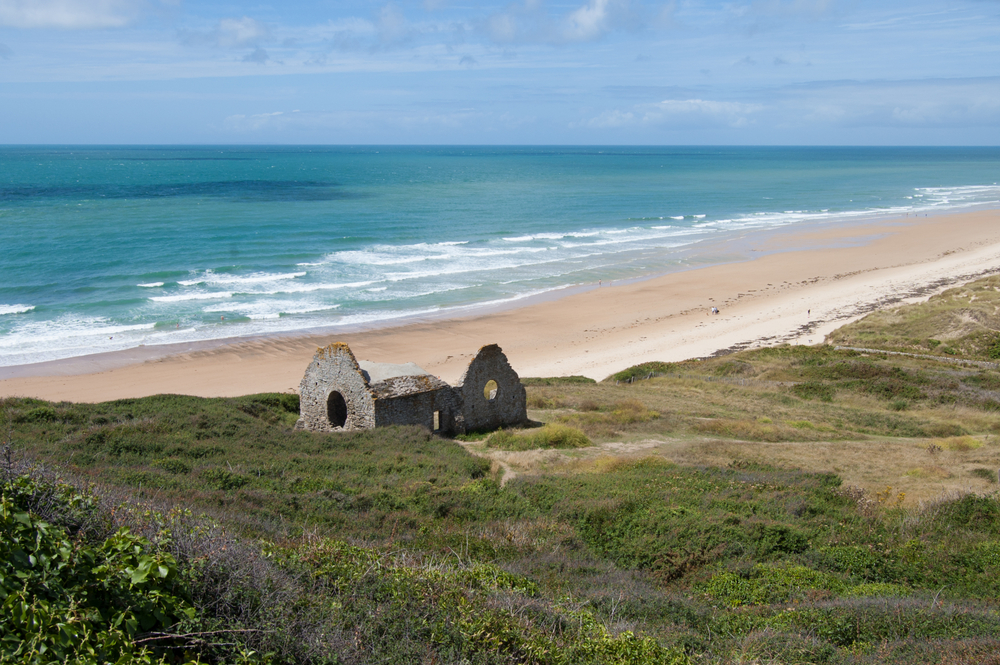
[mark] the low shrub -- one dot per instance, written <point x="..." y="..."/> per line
<point x="638" y="372"/>
<point x="814" y="390"/>
<point x="989" y="475"/>
<point x="768" y="584"/>
<point x="734" y="368"/>
<point x="223" y="479"/>
<point x="172" y="465"/>
<point x="551" y="435"/>
<point x="959" y="443"/>
<point x="540" y="401"/>
<point x="67" y="599"/>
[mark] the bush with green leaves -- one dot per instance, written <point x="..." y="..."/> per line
<point x="64" y="599"/>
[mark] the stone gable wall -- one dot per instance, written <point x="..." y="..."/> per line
<point x="508" y="408"/>
<point x="334" y="368"/>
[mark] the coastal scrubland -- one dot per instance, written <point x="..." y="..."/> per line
<point x="779" y="505"/>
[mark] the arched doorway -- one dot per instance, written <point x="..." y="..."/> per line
<point x="336" y="409"/>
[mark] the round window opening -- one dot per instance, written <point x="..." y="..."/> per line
<point x="491" y="390"/>
<point x="336" y="409"/>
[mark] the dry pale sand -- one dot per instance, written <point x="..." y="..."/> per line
<point x="796" y="286"/>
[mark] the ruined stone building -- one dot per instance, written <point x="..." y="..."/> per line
<point x="339" y="392"/>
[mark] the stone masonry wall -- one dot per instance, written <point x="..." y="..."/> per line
<point x="334" y="368"/>
<point x="508" y="408"/>
<point x="412" y="400"/>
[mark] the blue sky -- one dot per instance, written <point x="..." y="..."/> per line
<point x="523" y="72"/>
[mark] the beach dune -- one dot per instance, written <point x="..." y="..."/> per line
<point x="790" y="285"/>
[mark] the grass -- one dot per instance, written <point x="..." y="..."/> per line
<point x="959" y="323"/>
<point x="621" y="560"/>
<point x="552" y="435"/>
<point x="783" y="505"/>
<point x="768" y="403"/>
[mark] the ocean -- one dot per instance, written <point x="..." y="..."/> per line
<point x="108" y="248"/>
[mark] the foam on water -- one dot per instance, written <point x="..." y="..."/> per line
<point x="182" y="297"/>
<point x="270" y="309"/>
<point x="211" y="277"/>
<point x="15" y="309"/>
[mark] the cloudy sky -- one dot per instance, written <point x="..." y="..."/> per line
<point x="523" y="72"/>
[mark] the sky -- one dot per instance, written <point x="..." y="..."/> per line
<point x="592" y="72"/>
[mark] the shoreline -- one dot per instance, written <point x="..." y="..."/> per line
<point x="792" y="285"/>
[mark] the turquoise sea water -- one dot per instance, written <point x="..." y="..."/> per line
<point x="106" y="248"/>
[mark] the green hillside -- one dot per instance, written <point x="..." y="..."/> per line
<point x="694" y="512"/>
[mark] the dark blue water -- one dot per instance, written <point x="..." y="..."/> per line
<point x="104" y="248"/>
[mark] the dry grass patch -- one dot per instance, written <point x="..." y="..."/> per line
<point x="600" y="422"/>
<point x="761" y="429"/>
<point x="925" y="472"/>
<point x="871" y="464"/>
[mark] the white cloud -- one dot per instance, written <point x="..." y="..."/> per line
<point x="258" y="55"/>
<point x="679" y="113"/>
<point x="251" y="123"/>
<point x="356" y="123"/>
<point x="611" y="119"/>
<point x="231" y="33"/>
<point x="392" y="25"/>
<point x="916" y="104"/>
<point x="588" y="22"/>
<point x="240" y="32"/>
<point x="529" y="22"/>
<point x="700" y="111"/>
<point x="783" y="8"/>
<point x="69" y="14"/>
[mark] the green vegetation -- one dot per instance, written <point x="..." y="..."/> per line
<point x="207" y="530"/>
<point x="73" y="599"/>
<point x="555" y="380"/>
<point x="551" y="435"/>
<point x="961" y="322"/>
<point x="786" y="393"/>
<point x="645" y="370"/>
<point x="388" y="546"/>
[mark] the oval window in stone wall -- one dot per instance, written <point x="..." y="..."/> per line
<point x="336" y="409"/>
<point x="491" y="390"/>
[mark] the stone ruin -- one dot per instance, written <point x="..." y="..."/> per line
<point x="341" y="393"/>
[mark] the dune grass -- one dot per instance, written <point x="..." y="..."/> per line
<point x="958" y="323"/>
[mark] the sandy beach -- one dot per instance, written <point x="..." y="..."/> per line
<point x="795" y="286"/>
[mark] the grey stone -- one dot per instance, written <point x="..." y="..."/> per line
<point x="340" y="393"/>
<point x="487" y="406"/>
